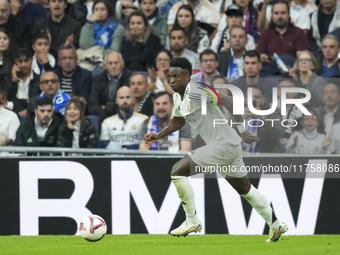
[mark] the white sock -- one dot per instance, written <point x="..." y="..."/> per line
<point x="261" y="205"/>
<point x="186" y="194"/>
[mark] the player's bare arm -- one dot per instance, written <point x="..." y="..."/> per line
<point x="175" y="124"/>
<point x="227" y="101"/>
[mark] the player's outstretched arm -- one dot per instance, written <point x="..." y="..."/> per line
<point x="175" y="124"/>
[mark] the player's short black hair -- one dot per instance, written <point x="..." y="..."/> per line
<point x="182" y="63"/>
<point x="253" y="53"/>
<point x="334" y="81"/>
<point x="208" y="52"/>
<point x="178" y="28"/>
<point x="44" y="101"/>
<point x="162" y="93"/>
<point x="288" y="78"/>
<point x="23" y="50"/>
<point x="40" y="35"/>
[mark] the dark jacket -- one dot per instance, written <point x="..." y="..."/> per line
<point x="18" y="30"/>
<point x="31" y="13"/>
<point x="81" y="82"/>
<point x="321" y="111"/>
<point x="27" y="136"/>
<point x="137" y="56"/>
<point x="146" y="107"/>
<point x="68" y="26"/>
<point x="12" y="89"/>
<point x="318" y="65"/>
<point x="78" y="11"/>
<point x="88" y="137"/>
<point x="224" y="62"/>
<point x="100" y="91"/>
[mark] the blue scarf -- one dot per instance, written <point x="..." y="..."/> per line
<point x="59" y="101"/>
<point x="103" y="33"/>
<point x="154" y="129"/>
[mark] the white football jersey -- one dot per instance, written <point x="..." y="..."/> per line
<point x="114" y="129"/>
<point x="190" y="109"/>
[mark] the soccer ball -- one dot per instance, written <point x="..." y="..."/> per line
<point x="93" y="228"/>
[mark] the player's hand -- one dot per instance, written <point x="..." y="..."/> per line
<point x="150" y="139"/>
<point x="326" y="142"/>
<point x="247" y="137"/>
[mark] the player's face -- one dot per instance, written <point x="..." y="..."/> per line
<point x="178" y="79"/>
<point x="139" y="85"/>
<point x="44" y="114"/>
<point x="287" y="84"/>
<point x="124" y="99"/>
<point x="72" y="113"/>
<point x="162" y="107"/>
<point x="330" y="95"/>
<point x="251" y="66"/>
<point x="310" y="122"/>
<point x="209" y="63"/>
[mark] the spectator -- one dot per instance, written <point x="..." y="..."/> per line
<point x="50" y="87"/>
<point x="102" y="29"/>
<point x="282" y="37"/>
<point x="6" y="53"/>
<point x="140" y="43"/>
<point x="326" y="63"/>
<point x="198" y="39"/>
<point x="9" y="121"/>
<point x="205" y="12"/>
<point x="28" y="11"/>
<point x="142" y="95"/>
<point x="309" y="137"/>
<point x="296" y="13"/>
<point x="177" y="141"/>
<point x="308" y="6"/>
<point x="81" y="11"/>
<point x="335" y="137"/>
<point x="155" y="18"/>
<point x="62" y="28"/>
<point x="306" y="78"/>
<point x="18" y="30"/>
<point x="75" y="81"/>
<point x="337" y="75"/>
<point x="234" y="18"/>
<point x="41" y="129"/>
<point x="252" y="68"/>
<point x="209" y="65"/>
<point x="122" y="128"/>
<point x="124" y="8"/>
<point x="22" y="83"/>
<point x="231" y="61"/>
<point x="105" y="85"/>
<point x="292" y="111"/>
<point x="77" y="131"/>
<point x="323" y="21"/>
<point x="158" y="78"/>
<point x="42" y="60"/>
<point x="178" y="43"/>
<point x="329" y="113"/>
<point x="270" y="132"/>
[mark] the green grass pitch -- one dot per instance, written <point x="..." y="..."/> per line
<point x="166" y="244"/>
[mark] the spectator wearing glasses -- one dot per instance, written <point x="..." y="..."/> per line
<point x="158" y="78"/>
<point x="208" y="64"/>
<point x="309" y="137"/>
<point x="50" y="87"/>
<point x="307" y="78"/>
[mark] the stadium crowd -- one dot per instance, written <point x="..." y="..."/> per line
<point x="94" y="73"/>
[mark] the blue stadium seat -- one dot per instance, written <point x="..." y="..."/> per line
<point x="95" y="121"/>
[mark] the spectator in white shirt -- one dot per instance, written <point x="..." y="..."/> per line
<point x="9" y="121"/>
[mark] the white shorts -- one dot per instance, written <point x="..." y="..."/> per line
<point x="226" y="157"/>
